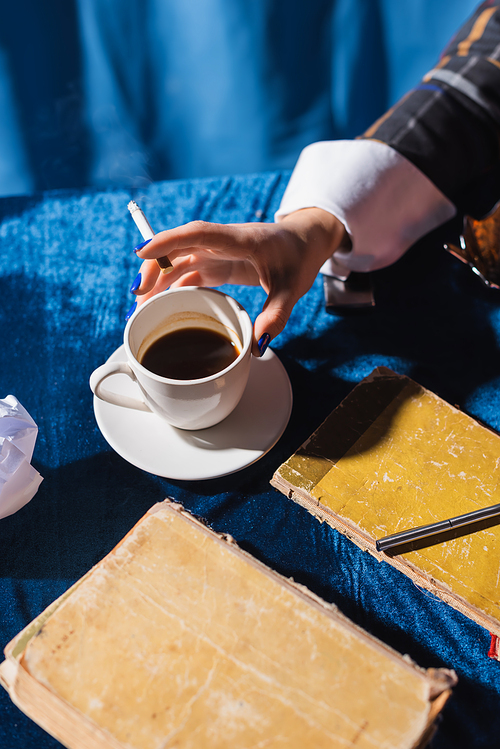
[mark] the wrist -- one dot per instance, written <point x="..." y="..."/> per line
<point x="323" y="232"/>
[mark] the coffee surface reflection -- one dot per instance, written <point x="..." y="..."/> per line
<point x="190" y="354"/>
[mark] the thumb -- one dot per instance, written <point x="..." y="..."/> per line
<point x="271" y="321"/>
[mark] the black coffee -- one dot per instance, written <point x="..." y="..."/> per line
<point x="189" y="354"/>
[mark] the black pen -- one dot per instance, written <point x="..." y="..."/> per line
<point x="424" y="531"/>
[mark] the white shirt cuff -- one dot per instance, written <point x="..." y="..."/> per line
<point x="383" y="200"/>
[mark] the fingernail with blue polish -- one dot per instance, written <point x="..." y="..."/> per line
<point x="140" y="246"/>
<point x="131" y="311"/>
<point x="136" y="283"/>
<point x="263" y="343"/>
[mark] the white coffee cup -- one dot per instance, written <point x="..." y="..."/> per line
<point x="187" y="404"/>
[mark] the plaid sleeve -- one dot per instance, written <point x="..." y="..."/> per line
<point x="449" y="125"/>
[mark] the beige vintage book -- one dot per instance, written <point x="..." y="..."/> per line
<point x="180" y="639"/>
<point x="395" y="456"/>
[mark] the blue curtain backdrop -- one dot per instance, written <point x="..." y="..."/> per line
<point x="125" y="92"/>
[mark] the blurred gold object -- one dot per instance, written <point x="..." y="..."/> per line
<point x="480" y="247"/>
<point x="165" y="264"/>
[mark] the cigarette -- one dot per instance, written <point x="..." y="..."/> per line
<point x="147" y="233"/>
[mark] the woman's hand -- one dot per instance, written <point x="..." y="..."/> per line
<point x="284" y="258"/>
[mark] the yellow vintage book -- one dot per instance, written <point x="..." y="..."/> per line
<point x="180" y="639"/>
<point x="395" y="456"/>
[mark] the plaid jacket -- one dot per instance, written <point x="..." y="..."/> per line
<point x="449" y="125"/>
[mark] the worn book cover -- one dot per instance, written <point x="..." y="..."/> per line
<point x="180" y="639"/>
<point x="395" y="456"/>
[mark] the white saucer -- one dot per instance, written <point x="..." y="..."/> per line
<point x="248" y="433"/>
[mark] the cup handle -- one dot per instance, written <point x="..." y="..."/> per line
<point x="108" y="370"/>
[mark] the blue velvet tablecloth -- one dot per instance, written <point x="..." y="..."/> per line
<point x="67" y="263"/>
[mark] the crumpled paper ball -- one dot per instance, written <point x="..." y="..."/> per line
<point x="19" y="481"/>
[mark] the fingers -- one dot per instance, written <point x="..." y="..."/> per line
<point x="204" y="254"/>
<point x="152" y="281"/>
<point x="185" y="239"/>
<point x="272" y="320"/>
<point x="149" y="274"/>
<point x="194" y="247"/>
